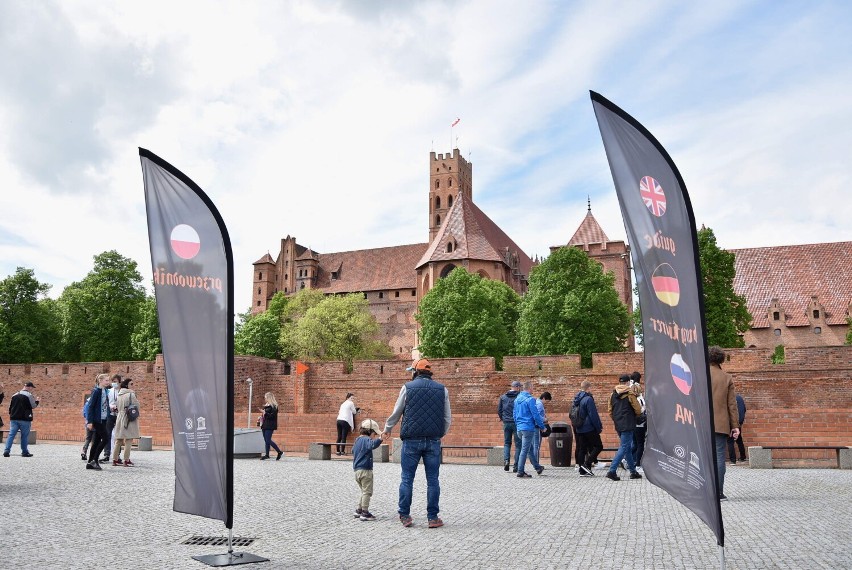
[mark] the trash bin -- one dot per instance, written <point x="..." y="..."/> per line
<point x="560" y="440"/>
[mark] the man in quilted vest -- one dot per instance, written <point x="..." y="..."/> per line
<point x="424" y="406"/>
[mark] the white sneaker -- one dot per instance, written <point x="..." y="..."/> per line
<point x="602" y="465"/>
<point x="639" y="469"/>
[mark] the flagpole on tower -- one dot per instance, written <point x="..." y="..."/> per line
<point x="452" y="126"/>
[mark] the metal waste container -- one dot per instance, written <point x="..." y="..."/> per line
<point x="560" y="440"/>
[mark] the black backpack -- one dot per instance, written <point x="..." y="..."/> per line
<point x="576" y="414"/>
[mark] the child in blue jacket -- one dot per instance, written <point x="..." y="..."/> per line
<point x="362" y="464"/>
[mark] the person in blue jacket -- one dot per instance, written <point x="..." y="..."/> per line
<point x="96" y="420"/>
<point x="589" y="443"/>
<point x="528" y="420"/>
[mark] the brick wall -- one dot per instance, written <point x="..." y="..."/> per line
<point x="807" y="400"/>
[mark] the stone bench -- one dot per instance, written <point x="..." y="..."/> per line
<point x="761" y="457"/>
<point x="31" y="440"/>
<point x="322" y="451"/>
<point x="146" y="443"/>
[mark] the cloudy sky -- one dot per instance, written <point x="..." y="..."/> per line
<point x="316" y="118"/>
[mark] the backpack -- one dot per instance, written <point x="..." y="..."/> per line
<point x="86" y="408"/>
<point x="576" y="414"/>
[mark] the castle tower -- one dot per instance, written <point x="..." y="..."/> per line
<point x="263" y="283"/>
<point x="448" y="174"/>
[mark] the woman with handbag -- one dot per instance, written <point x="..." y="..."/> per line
<point x="126" y="423"/>
<point x="269" y="423"/>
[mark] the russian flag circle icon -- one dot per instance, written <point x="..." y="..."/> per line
<point x="681" y="374"/>
<point x="185" y="241"/>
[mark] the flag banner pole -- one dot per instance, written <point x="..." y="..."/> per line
<point x="193" y="270"/>
<point x="680" y="452"/>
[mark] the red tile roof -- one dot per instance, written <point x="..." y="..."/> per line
<point x="474" y="236"/>
<point x="265" y="259"/>
<point x="376" y="269"/>
<point x="589" y="231"/>
<point x="793" y="274"/>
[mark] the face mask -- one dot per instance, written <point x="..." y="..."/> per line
<point x="115" y="384"/>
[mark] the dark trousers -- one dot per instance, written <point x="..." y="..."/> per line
<point x="639" y="444"/>
<point x="343" y="430"/>
<point x="740" y="446"/>
<point x="89" y="436"/>
<point x="110" y="425"/>
<point x="100" y="439"/>
<point x="510" y="434"/>
<point x="589" y="445"/>
<point x="267" y="440"/>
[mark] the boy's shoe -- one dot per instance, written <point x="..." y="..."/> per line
<point x="521" y="474"/>
<point x="128" y="463"/>
<point x="539" y="469"/>
<point x="406" y="520"/>
<point x="635" y="475"/>
<point x="367" y="516"/>
<point x="358" y="512"/>
<point x="506" y="465"/>
<point x="436" y="523"/>
<point x="584" y="472"/>
<point x="613" y="476"/>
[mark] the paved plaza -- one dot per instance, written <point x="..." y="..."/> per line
<point x="57" y="514"/>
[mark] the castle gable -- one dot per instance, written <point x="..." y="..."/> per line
<point x="794" y="275"/>
<point x="473" y="236"/>
<point x="589" y="231"/>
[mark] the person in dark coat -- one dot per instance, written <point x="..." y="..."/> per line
<point x="96" y="418"/>
<point x="741" y="412"/>
<point x="624" y="407"/>
<point x="505" y="408"/>
<point x="269" y="423"/>
<point x="589" y="443"/>
<point x="21" y="407"/>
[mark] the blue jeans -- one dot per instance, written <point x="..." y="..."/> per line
<point x="536" y="446"/>
<point x="625" y="451"/>
<point x="527" y="438"/>
<point x="267" y="441"/>
<point x="412" y="451"/>
<point x="14" y="427"/>
<point x="510" y="432"/>
<point x="721" y="447"/>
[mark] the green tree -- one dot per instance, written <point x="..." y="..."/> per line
<point x="294" y="309"/>
<point x="258" y="335"/>
<point x="725" y="312"/>
<point x="572" y="307"/>
<point x="337" y="328"/>
<point x="849" y="333"/>
<point x="145" y="339"/>
<point x="29" y="321"/>
<point x="101" y="311"/>
<point x="466" y="315"/>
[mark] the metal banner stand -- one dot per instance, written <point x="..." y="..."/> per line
<point x="231" y="558"/>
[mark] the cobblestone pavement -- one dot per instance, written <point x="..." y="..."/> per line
<point x="57" y="514"/>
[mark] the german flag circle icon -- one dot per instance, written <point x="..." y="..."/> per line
<point x="666" y="286"/>
<point x="185" y="241"/>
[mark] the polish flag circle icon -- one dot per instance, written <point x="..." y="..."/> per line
<point x="185" y="241"/>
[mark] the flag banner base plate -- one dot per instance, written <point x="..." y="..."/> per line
<point x="230" y="559"/>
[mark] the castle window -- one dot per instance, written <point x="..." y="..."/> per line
<point x="437" y="184"/>
<point x="285" y="289"/>
<point x="414" y="293"/>
<point x="817" y="330"/>
<point x="777" y="332"/>
<point x="437" y="220"/>
<point x="258" y="290"/>
<point x="776" y="316"/>
<point x="396" y="294"/>
<point x="381" y="295"/>
<point x="816" y="314"/>
<point x="449" y="183"/>
<point x="302" y="285"/>
<point x="437" y="202"/>
<point x="334" y="274"/>
<point x="258" y="303"/>
<point x="260" y="275"/>
<point x="449" y="246"/>
<point x="449" y="201"/>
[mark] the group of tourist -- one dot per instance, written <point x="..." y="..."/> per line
<point x="111" y="412"/>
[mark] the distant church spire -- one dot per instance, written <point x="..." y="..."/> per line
<point x="589" y="202"/>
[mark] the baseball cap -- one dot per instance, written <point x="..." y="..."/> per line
<point x="371" y="425"/>
<point x="29" y="385"/>
<point x="420" y="364"/>
<point x="516" y="384"/>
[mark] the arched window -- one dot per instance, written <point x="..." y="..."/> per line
<point x="449" y="249"/>
<point x="260" y="275"/>
<point x="437" y="184"/>
<point x="437" y="220"/>
<point x="450" y="201"/>
<point x="437" y="202"/>
<point x="449" y="183"/>
<point x="446" y="270"/>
